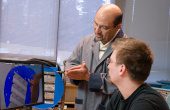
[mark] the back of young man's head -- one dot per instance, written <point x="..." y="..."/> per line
<point x="135" y="55"/>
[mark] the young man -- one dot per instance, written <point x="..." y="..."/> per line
<point x="87" y="66"/>
<point x="129" y="67"/>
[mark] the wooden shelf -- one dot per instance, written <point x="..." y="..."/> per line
<point x="70" y="88"/>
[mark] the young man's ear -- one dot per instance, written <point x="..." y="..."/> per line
<point x="122" y="69"/>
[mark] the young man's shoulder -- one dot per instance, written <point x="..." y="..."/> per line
<point x="150" y="97"/>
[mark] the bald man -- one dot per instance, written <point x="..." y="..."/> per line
<point x="87" y="66"/>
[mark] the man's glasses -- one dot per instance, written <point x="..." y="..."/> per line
<point x="102" y="27"/>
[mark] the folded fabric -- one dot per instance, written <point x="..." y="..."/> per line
<point x="95" y="82"/>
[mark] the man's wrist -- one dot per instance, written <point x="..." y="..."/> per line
<point x="87" y="76"/>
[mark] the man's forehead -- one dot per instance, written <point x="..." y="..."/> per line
<point x="104" y="18"/>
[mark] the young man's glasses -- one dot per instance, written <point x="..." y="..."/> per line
<point x="107" y="61"/>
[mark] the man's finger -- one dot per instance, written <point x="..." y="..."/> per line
<point x="74" y="67"/>
<point x="74" y="76"/>
<point x="75" y="71"/>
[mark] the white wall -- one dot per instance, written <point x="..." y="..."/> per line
<point x="76" y="22"/>
<point x="149" y="20"/>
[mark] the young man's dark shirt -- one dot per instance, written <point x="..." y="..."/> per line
<point x="144" y="98"/>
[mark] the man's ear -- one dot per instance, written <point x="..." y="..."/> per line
<point x="119" y="26"/>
